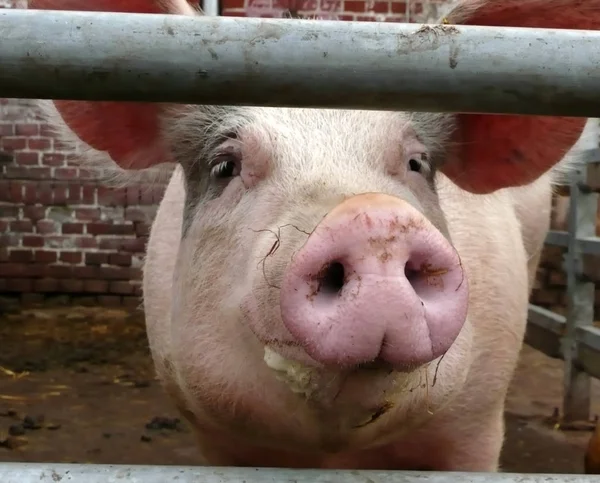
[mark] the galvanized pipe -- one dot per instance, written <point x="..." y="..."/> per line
<point x="300" y="63"/>
<point x="52" y="473"/>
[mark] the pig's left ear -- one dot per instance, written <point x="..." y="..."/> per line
<point x="500" y="151"/>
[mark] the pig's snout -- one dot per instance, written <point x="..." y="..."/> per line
<point x="375" y="282"/>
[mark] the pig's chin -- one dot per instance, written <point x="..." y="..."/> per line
<point x="358" y="399"/>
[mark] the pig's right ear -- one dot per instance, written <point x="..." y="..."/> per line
<point x="129" y="132"/>
<point x="491" y="152"/>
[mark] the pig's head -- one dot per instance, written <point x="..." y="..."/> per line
<point x="315" y="273"/>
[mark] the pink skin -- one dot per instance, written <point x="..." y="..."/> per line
<point x="401" y="298"/>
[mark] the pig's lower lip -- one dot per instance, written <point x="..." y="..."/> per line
<point x="362" y="391"/>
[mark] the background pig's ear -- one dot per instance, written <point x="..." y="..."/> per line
<point x="128" y="131"/>
<point x="498" y="151"/>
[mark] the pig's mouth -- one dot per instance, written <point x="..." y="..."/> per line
<point x="357" y="397"/>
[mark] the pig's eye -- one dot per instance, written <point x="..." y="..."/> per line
<point x="415" y="165"/>
<point x="226" y="167"/>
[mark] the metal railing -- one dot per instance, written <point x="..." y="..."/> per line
<point x="574" y="338"/>
<point x="299" y="63"/>
<point x="79" y="473"/>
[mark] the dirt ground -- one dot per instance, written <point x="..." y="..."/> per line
<point x="77" y="386"/>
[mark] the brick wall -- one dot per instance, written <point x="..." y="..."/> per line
<point x="61" y="230"/>
<point x="361" y="10"/>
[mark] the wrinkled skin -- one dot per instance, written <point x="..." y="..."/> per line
<point x="398" y="357"/>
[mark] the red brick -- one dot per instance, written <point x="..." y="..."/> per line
<point x="110" y="229"/>
<point x="71" y="257"/>
<point x="131" y="302"/>
<point x="380" y="7"/>
<point x="88" y="194"/>
<point x="398" y="7"/>
<point x="33" y="241"/>
<point x="86" y="242"/>
<point x="45" y="285"/>
<point x="86" y="272"/>
<point x="53" y="159"/>
<point x="19" y="269"/>
<point x="354" y="6"/>
<point x="45" y="196"/>
<point x="60" y="193"/>
<point x="4" y="190"/>
<point x="45" y="256"/>
<point x="39" y="144"/>
<point x="120" y="259"/>
<point x="20" y="256"/>
<point x="46" y="226"/>
<point x="32" y="172"/>
<point x="366" y="18"/>
<point x="120" y="273"/>
<point x="109" y="300"/>
<point x="58" y="271"/>
<point x="95" y="286"/>
<point x="26" y="158"/>
<point x="4" y="254"/>
<point x="34" y="213"/>
<point x="6" y="129"/>
<point x="27" y="129"/>
<point x="66" y="173"/>
<point x="15" y="192"/>
<point x="3" y="226"/>
<point x="72" y="228"/>
<point x="121" y="287"/>
<point x="87" y="214"/>
<point x="30" y="192"/>
<point x="70" y="285"/>
<point x="233" y="13"/>
<point x="74" y="194"/>
<point x="231" y="4"/>
<point x="21" y="226"/>
<point x="395" y="18"/>
<point x="10" y="143"/>
<point x="9" y="211"/>
<point x="19" y="285"/>
<point x="97" y="258"/>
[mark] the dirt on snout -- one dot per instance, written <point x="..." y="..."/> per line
<point x="77" y="386"/>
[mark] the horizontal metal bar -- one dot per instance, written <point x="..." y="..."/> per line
<point x="78" y="473"/>
<point x="545" y="330"/>
<point x="299" y="63"/>
<point x="590" y="156"/>
<point x="589" y="245"/>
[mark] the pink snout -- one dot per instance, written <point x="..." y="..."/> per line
<point x="375" y="282"/>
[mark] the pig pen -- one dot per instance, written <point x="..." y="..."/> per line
<point x="77" y="386"/>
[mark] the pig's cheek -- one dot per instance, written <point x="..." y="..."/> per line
<point x="227" y="200"/>
<point x="250" y="177"/>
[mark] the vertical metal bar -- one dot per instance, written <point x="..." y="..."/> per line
<point x="583" y="207"/>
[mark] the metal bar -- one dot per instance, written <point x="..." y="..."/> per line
<point x="587" y="245"/>
<point x="210" y="7"/>
<point x="580" y="294"/>
<point x="544" y="331"/>
<point x="298" y="63"/>
<point x="78" y="473"/>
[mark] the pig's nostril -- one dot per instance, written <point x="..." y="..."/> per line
<point x="331" y="278"/>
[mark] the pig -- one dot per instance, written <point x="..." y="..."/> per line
<point x="339" y="289"/>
